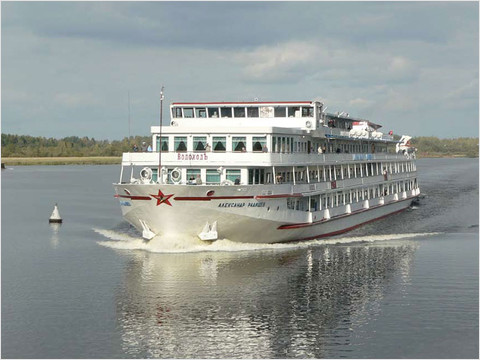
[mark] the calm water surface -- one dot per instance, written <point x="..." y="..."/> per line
<point x="402" y="287"/>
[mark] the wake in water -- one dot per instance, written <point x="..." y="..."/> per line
<point x="123" y="240"/>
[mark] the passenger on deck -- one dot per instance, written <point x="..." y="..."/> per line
<point x="237" y="181"/>
<point x="198" y="180"/>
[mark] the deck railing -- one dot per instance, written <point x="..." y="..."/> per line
<point x="250" y="158"/>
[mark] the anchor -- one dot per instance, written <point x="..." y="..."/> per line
<point x="146" y="233"/>
<point x="209" y="233"/>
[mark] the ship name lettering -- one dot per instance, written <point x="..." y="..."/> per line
<point x="225" y="205"/>
<point x="189" y="157"/>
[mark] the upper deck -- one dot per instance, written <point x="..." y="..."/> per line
<point x="307" y="115"/>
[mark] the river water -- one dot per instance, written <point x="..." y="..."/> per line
<point x="402" y="287"/>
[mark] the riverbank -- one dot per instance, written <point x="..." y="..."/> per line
<point x="117" y="160"/>
<point x="86" y="160"/>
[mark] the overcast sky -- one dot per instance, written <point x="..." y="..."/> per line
<point x="67" y="67"/>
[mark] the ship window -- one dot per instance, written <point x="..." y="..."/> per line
<point x="213" y="177"/>
<point x="201" y="112"/>
<point x="239" y="112"/>
<point x="280" y="111"/>
<point x="164" y="143"/>
<point x="199" y="143"/>
<point x="266" y="111"/>
<point x="252" y="112"/>
<point x="232" y="174"/>
<point x="180" y="143"/>
<point x="188" y="112"/>
<point x="192" y="175"/>
<point x="238" y="143"/>
<point x="177" y="112"/>
<point x="212" y="112"/>
<point x="219" y="143"/>
<point x="307" y="111"/>
<point x="256" y="176"/>
<point x="226" y="112"/>
<point x="293" y="111"/>
<point x="259" y="142"/>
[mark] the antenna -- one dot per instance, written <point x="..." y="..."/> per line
<point x="129" y="127"/>
<point x="160" y="139"/>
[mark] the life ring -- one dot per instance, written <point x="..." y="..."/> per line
<point x="146" y="174"/>
<point x="227" y="182"/>
<point x="308" y="124"/>
<point x="176" y="175"/>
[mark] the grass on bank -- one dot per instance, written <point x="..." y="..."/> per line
<point x="83" y="160"/>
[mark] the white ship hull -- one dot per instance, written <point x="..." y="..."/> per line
<point x="241" y="215"/>
<point x="264" y="172"/>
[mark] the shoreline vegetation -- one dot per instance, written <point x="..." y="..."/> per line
<point x="62" y="160"/>
<point x="28" y="150"/>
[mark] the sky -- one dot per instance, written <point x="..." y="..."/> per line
<point x="69" y="68"/>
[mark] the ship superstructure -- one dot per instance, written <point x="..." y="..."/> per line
<point x="264" y="172"/>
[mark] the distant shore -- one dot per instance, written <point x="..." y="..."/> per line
<point x="67" y="160"/>
<point x="117" y="160"/>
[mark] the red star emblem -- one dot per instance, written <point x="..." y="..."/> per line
<point x="161" y="198"/>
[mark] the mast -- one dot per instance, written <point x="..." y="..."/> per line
<point x="160" y="138"/>
<point x="129" y="122"/>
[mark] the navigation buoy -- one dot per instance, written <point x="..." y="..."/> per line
<point x="55" y="218"/>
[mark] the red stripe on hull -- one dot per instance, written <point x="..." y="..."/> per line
<point x="208" y="198"/>
<point x="349" y="228"/>
<point x="131" y="197"/>
<point x="242" y="103"/>
<point x="277" y="196"/>
<point x="301" y="225"/>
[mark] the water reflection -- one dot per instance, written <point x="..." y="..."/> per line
<point x="298" y="303"/>
<point x="54" y="240"/>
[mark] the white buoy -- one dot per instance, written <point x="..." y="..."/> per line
<point x="55" y="218"/>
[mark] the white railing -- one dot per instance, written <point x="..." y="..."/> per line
<point x="248" y="158"/>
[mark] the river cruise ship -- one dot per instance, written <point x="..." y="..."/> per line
<point x="264" y="172"/>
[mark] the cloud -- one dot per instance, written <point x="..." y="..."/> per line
<point x="75" y="100"/>
<point x="67" y="61"/>
<point x="283" y="62"/>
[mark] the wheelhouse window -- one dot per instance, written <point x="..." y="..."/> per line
<point x="199" y="143"/>
<point x="239" y="112"/>
<point x="280" y="111"/>
<point x="226" y="112"/>
<point x="180" y="143"/>
<point x="201" y="112"/>
<point x="259" y="143"/>
<point x="219" y="143"/>
<point x="213" y="177"/>
<point x="239" y="143"/>
<point x="212" y="112"/>
<point x="294" y="111"/>
<point x="188" y="113"/>
<point x="252" y="112"/>
<point x="177" y="112"/>
<point x="164" y="143"/>
<point x="307" y="111"/>
<point x="233" y="175"/>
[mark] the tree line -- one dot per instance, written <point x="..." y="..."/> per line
<point x="429" y="146"/>
<point x="30" y="146"/>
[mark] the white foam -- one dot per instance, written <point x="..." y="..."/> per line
<point x="173" y="244"/>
